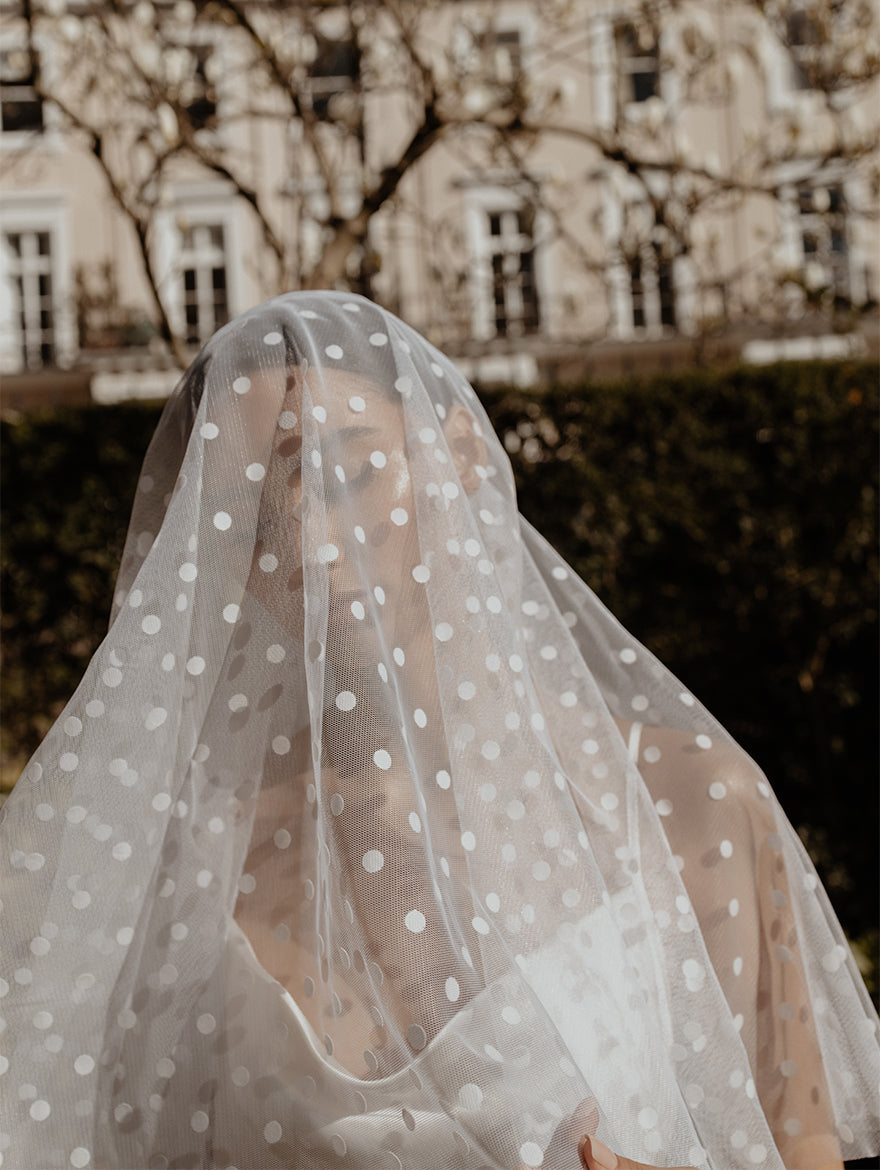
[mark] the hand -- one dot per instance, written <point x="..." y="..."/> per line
<point x="595" y="1155"/>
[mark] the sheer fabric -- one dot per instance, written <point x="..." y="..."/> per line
<point x="371" y="839"/>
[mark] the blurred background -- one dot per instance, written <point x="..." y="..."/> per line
<point x="646" y="230"/>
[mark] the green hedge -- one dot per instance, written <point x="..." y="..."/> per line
<point x="728" y="519"/>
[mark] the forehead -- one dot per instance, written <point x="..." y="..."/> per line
<point x="351" y="399"/>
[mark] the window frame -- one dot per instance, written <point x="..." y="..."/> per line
<point x="49" y="138"/>
<point x="35" y="212"/>
<point x="195" y="206"/>
<point x="657" y="274"/>
<point x="483" y="200"/>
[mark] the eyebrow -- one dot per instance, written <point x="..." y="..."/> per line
<point x="338" y="438"/>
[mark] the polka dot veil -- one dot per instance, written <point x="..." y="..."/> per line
<point x="370" y="839"/>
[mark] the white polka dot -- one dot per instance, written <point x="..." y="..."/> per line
<point x="346" y="701"/>
<point x="466" y="690"/>
<point x="415" y="921"/>
<point x="337" y="804"/>
<point x="378" y="339"/>
<point x="541" y="871"/>
<point x="195" y="665"/>
<point x="468" y="841"/>
<point x="379" y="594"/>
<point x="420" y="718"/>
<point x="378" y="460"/>
<point x="255" y="472"/>
<point x="84" y="1064"/>
<point x="704" y="742"/>
<point x="470" y="1096"/>
<point x="382" y="759"/>
<point x="531" y="1154"/>
<point x="717" y="790"/>
<point x="241" y="385"/>
<point x="490" y="750"/>
<point x="206" y="1023"/>
<point x="453" y="990"/>
<point x="209" y="430"/>
<point x="443" y="779"/>
<point x="373" y="861"/>
<point x="268" y="562"/>
<point x="327" y="553"/>
<point x="222" y="521"/>
<point x="156" y="718"/>
<point x="151" y="624"/>
<point x="287" y="420"/>
<point x="95" y="709"/>
<point x="359" y="534"/>
<point x="275" y="653"/>
<point x="415" y="822"/>
<point x="726" y="849"/>
<point x="273" y="338"/>
<point x="230" y="613"/>
<point x="480" y="925"/>
<point x="358" y="610"/>
<point x="40" y="1110"/>
<point x="333" y="351"/>
<point x="280" y="745"/>
<point x="121" y="851"/>
<point x="399" y="517"/>
<point x="69" y="760"/>
<point x="357" y="404"/>
<point x="188" y="571"/>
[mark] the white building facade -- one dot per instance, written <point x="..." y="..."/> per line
<point x="550" y="256"/>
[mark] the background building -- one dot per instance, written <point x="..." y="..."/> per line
<point x="543" y="187"/>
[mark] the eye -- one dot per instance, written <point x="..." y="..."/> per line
<point x="364" y="476"/>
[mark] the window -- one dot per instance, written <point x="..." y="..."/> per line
<point x="803" y="37"/>
<point x="334" y="71"/>
<point x="506" y="55"/>
<point x="512" y="255"/>
<point x="823" y="234"/>
<point x="638" y="63"/>
<point x="197" y="93"/>
<point x="204" y="276"/>
<point x="21" y="108"/>
<point x="652" y="289"/>
<point x="28" y="264"/>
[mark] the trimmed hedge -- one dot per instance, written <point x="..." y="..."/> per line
<point x="727" y="518"/>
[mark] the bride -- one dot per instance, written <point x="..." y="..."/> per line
<point x="370" y="839"/>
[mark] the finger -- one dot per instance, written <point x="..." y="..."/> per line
<point x="595" y="1155"/>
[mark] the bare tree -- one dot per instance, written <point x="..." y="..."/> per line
<point x="357" y="93"/>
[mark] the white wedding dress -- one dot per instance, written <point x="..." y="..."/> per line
<point x="370" y="839"/>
